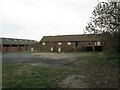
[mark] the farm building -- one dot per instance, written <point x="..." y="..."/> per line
<point x="15" y="45"/>
<point x="66" y="43"/>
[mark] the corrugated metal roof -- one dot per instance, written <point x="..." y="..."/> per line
<point x="17" y="41"/>
<point x="83" y="37"/>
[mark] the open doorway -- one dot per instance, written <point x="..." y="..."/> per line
<point x="98" y="48"/>
<point x="76" y="44"/>
<point x="89" y="49"/>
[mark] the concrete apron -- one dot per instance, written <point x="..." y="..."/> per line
<point x="73" y="81"/>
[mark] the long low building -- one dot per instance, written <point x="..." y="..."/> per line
<point x="15" y="45"/>
<point x="59" y="43"/>
<point x="64" y="43"/>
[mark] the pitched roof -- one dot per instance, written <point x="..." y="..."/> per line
<point x="60" y="38"/>
<point x="17" y="41"/>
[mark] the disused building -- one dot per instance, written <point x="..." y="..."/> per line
<point x="66" y="43"/>
<point x="15" y="45"/>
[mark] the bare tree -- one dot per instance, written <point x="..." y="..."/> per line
<point x="106" y="19"/>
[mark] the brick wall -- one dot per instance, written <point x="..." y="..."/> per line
<point x="75" y="46"/>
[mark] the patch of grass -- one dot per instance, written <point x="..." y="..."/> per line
<point x="105" y="59"/>
<point x="26" y="76"/>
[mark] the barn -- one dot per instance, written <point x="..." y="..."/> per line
<point x="15" y="45"/>
<point x="67" y="43"/>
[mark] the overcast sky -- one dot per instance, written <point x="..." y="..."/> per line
<point x="33" y="19"/>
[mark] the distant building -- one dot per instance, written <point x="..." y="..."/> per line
<point x="67" y="43"/>
<point x="60" y="43"/>
<point x="15" y="45"/>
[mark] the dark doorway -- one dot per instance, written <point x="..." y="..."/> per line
<point x="89" y="49"/>
<point x="98" y="48"/>
<point x="76" y="44"/>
